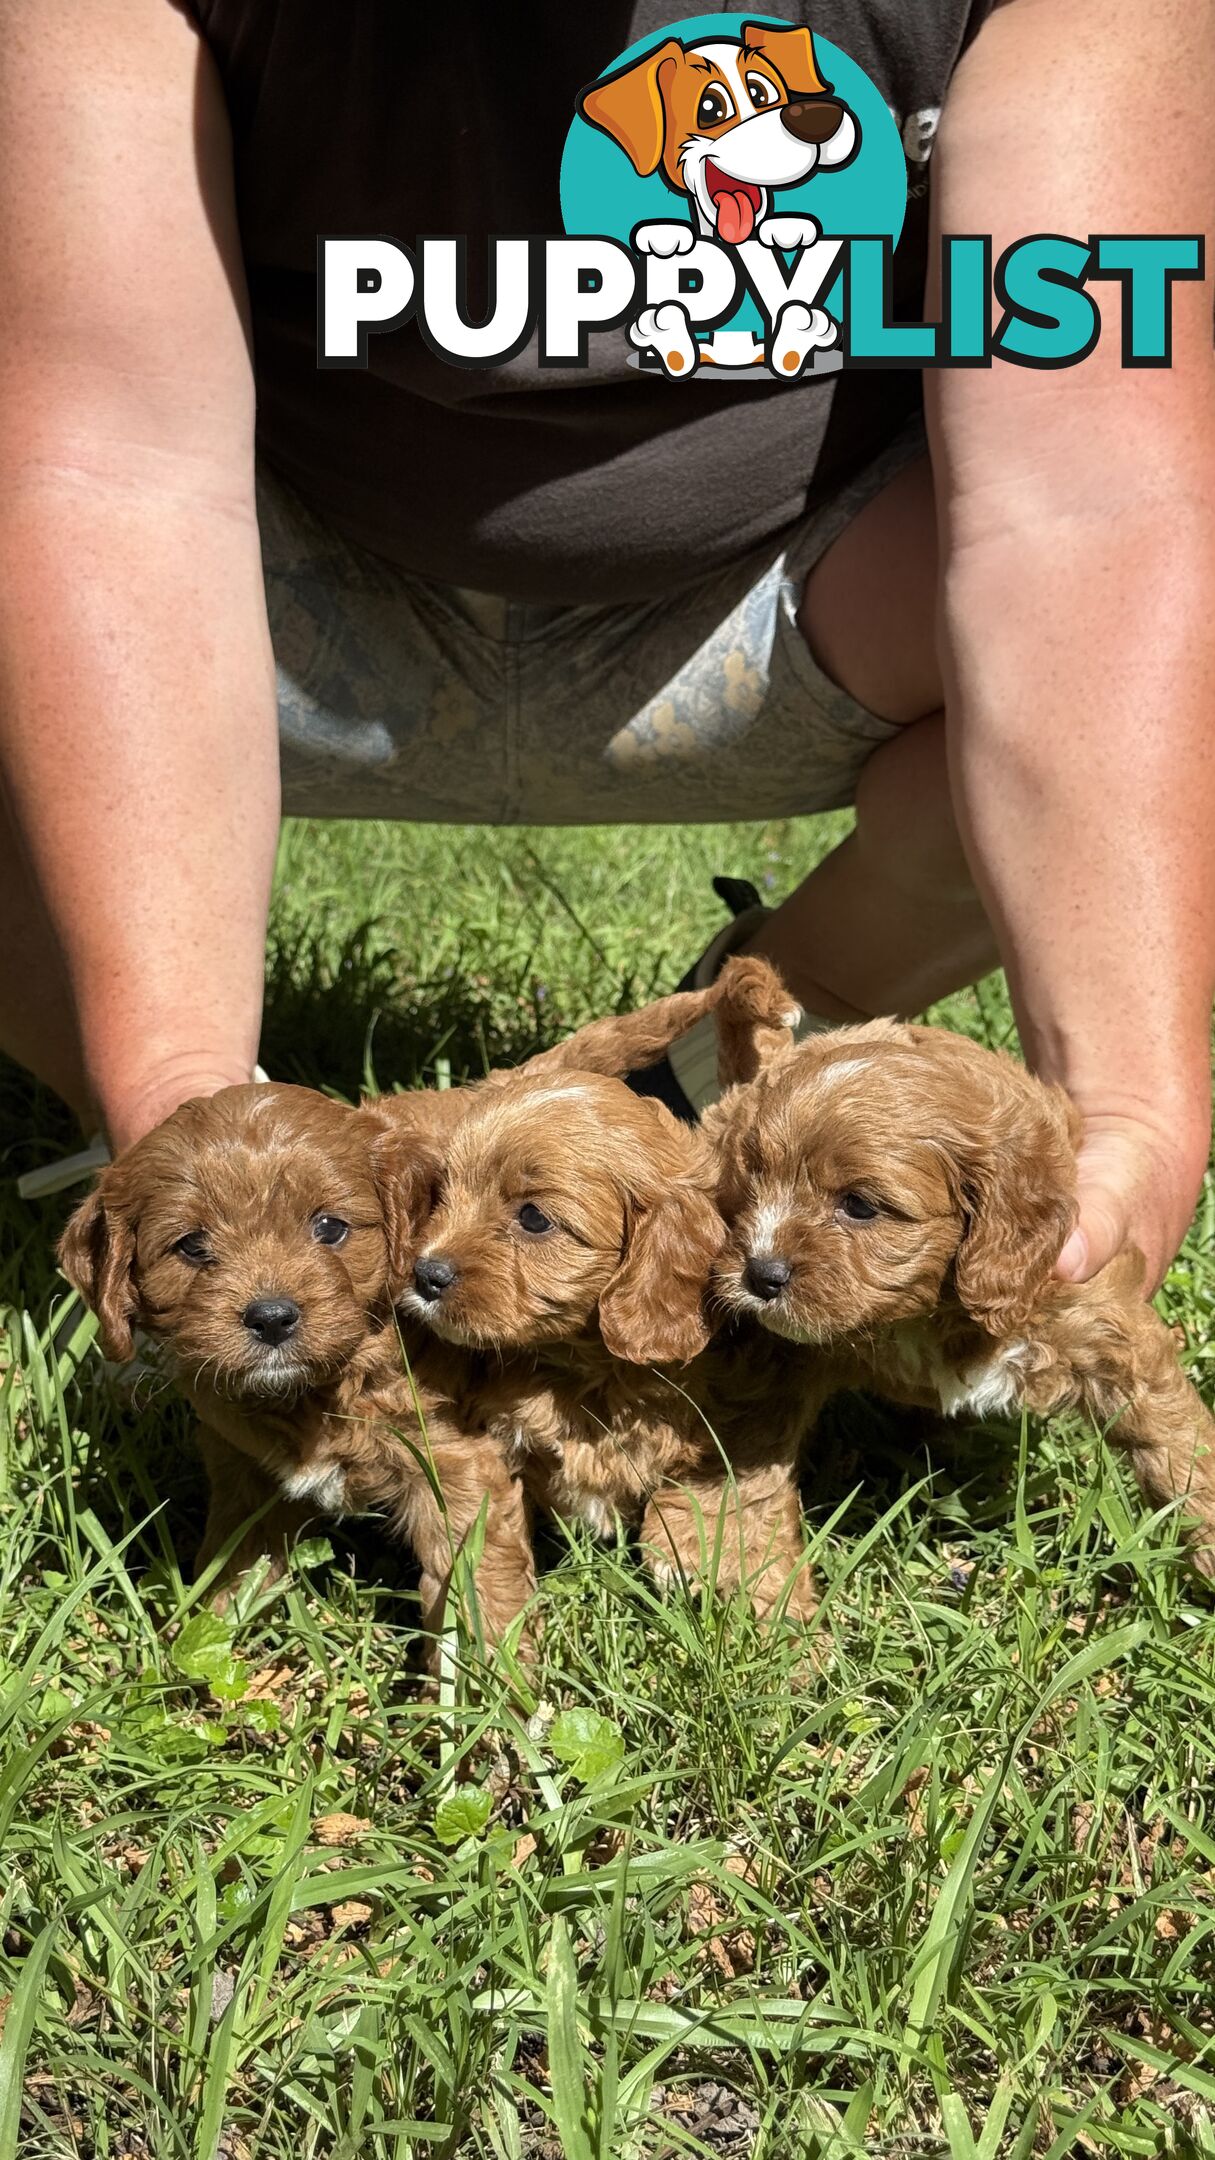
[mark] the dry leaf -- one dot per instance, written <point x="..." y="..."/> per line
<point x="339" y="1829"/>
<point x="352" y="1913"/>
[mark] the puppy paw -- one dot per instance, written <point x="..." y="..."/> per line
<point x="798" y="332"/>
<point x="788" y="232"/>
<point x="666" y="328"/>
<point x="664" y="238"/>
<point x="756" y="1019"/>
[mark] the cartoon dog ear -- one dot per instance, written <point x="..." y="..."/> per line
<point x="630" y="106"/>
<point x="653" y="1310"/>
<point x="1019" y="1193"/>
<point x="755" y="1020"/>
<point x="792" y="55"/>
<point x="97" y="1254"/>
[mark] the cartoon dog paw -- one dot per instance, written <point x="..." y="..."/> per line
<point x="797" y="332"/>
<point x="664" y="238"/>
<point x="669" y="331"/>
<point x="788" y="232"/>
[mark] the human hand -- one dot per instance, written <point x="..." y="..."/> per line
<point x="134" y="1103"/>
<point x="1139" y="1184"/>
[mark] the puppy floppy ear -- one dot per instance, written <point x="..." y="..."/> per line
<point x="97" y="1254"/>
<point x="405" y="1166"/>
<point x="653" y="1310"/>
<point x="630" y="106"/>
<point x="1019" y="1193"/>
<point x="755" y="1019"/>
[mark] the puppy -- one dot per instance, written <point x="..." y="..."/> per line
<point x="897" y="1198"/>
<point x="261" y="1234"/>
<point x="568" y="1249"/>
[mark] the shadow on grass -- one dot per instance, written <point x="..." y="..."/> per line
<point x="361" y="1017"/>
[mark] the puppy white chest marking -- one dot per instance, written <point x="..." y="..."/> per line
<point x="323" y="1482"/>
<point x="987" y="1389"/>
<point x="592" y="1509"/>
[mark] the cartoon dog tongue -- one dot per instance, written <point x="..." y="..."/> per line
<point x="735" y="217"/>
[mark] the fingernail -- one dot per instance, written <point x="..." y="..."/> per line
<point x="1074" y="1257"/>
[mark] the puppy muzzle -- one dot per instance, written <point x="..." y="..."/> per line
<point x="766" y="1277"/>
<point x="432" y="1277"/>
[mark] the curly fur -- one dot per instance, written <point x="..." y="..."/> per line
<point x="941" y="1291"/>
<point x="330" y="1422"/>
<point x="592" y="1347"/>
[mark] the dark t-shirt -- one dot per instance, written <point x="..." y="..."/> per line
<point x="604" y="484"/>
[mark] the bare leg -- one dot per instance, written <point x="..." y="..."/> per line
<point x="890" y="921"/>
<point x="746" y="1535"/>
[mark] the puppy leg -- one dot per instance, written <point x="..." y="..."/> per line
<point x="470" y="1475"/>
<point x="755" y="1014"/>
<point x="746" y="1535"/>
<point x="1124" y="1370"/>
<point x="239" y="1489"/>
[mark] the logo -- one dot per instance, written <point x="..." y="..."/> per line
<point x="732" y="192"/>
<point x="735" y="156"/>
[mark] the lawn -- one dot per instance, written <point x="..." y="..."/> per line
<point x="945" y="1886"/>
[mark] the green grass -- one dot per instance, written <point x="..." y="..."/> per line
<point x="949" y="1890"/>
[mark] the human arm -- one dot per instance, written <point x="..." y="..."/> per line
<point x="1077" y="513"/>
<point x="137" y="716"/>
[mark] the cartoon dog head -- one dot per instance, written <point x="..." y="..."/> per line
<point x="726" y="121"/>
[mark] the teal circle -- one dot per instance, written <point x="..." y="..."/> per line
<point x="601" y="193"/>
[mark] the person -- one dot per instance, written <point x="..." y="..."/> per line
<point x="601" y="594"/>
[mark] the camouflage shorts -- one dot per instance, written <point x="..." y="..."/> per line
<point x="403" y="699"/>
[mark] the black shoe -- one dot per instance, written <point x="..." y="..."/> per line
<point x="746" y="909"/>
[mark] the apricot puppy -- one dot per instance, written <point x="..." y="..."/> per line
<point x="262" y="1234"/>
<point x="569" y="1247"/>
<point x="897" y="1198"/>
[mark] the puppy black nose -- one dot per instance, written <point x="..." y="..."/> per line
<point x="765" y="1276"/>
<point x="813" y="120"/>
<point x="432" y="1277"/>
<point x="272" y="1319"/>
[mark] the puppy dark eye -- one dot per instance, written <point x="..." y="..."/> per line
<point x="762" y="91"/>
<point x="330" y="1230"/>
<point x="857" y="1207"/>
<point x="713" y="108"/>
<point x="193" y="1249"/>
<point x="532" y="1219"/>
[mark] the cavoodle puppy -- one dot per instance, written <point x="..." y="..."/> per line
<point x="262" y="1235"/>
<point x="568" y="1249"/>
<point x="897" y="1198"/>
